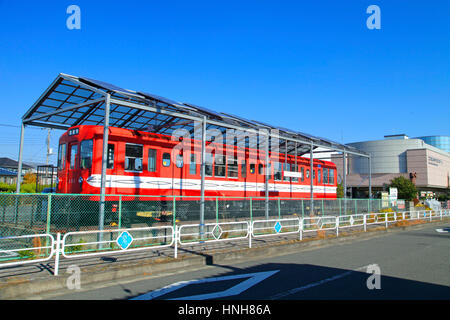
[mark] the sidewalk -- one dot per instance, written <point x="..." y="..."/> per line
<point x="28" y="281"/>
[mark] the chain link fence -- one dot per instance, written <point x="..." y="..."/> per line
<point x="22" y="214"/>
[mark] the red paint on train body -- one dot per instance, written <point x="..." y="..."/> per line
<point x="143" y="163"/>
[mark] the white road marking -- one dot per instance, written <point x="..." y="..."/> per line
<point x="254" y="278"/>
<point x="315" y="284"/>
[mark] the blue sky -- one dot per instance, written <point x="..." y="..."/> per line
<point x="312" y="66"/>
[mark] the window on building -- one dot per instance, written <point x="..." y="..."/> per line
<point x="133" y="157"/>
<point x="73" y="155"/>
<point x="233" y="169"/>
<point x="62" y="156"/>
<point x="86" y="148"/>
<point x="151" y="160"/>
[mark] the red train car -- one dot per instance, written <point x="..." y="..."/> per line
<point x="143" y="163"/>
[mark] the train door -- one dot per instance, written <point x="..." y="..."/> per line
<point x="167" y="171"/>
<point x="73" y="174"/>
<point x="62" y="169"/>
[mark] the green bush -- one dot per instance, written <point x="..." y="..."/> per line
<point x="4" y="187"/>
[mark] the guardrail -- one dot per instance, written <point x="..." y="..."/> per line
<point x="26" y="249"/>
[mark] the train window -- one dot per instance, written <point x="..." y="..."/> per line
<point x="86" y="147"/>
<point x="331" y="176"/>
<point x="252" y="168"/>
<point x="219" y="166"/>
<point x="314" y="174"/>
<point x="307" y="174"/>
<point x="179" y="161"/>
<point x="260" y="169"/>
<point x="302" y="174"/>
<point x="193" y="165"/>
<point x="319" y="175"/>
<point x="133" y="157"/>
<point x="277" y="170"/>
<point x="73" y="155"/>
<point x="62" y="156"/>
<point x="233" y="168"/>
<point x="287" y="167"/>
<point x="166" y="160"/>
<point x="208" y="164"/>
<point x="243" y="168"/>
<point x="110" y="157"/>
<point x="151" y="160"/>
<point x="294" y="168"/>
<point x="325" y="175"/>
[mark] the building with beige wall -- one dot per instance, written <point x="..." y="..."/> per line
<point x="427" y="166"/>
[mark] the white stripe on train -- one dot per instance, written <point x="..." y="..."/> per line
<point x="116" y="181"/>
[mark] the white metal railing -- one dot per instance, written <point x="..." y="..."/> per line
<point x="22" y="253"/>
<point x="135" y="239"/>
<point x="220" y="231"/>
<point x="104" y="242"/>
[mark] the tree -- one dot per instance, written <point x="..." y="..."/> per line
<point x="340" y="191"/>
<point x="29" y="178"/>
<point x="405" y="188"/>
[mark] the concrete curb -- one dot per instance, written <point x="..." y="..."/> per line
<point x="23" y="288"/>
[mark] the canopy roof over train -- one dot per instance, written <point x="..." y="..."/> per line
<point x="71" y="101"/>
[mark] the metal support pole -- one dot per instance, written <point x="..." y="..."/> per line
<point x="101" y="218"/>
<point x="370" y="177"/>
<point x="120" y="212"/>
<point x="311" y="177"/>
<point x="202" y="182"/>
<point x="19" y="168"/>
<point x="57" y="253"/>
<point x="175" y="235"/>
<point x="267" y="175"/>
<point x="345" y="182"/>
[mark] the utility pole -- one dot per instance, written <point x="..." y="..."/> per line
<point x="48" y="145"/>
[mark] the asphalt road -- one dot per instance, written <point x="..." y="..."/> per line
<point x="413" y="264"/>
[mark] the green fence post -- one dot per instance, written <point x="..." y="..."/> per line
<point x="120" y="212"/>
<point x="251" y="211"/>
<point x="340" y="207"/>
<point x="279" y="209"/>
<point x="217" y="210"/>
<point x="174" y="213"/>
<point x="356" y="206"/>
<point x="49" y="210"/>
<point x="323" y="209"/>
<point x="303" y="210"/>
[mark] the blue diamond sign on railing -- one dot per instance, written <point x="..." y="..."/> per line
<point x="124" y="240"/>
<point x="277" y="226"/>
